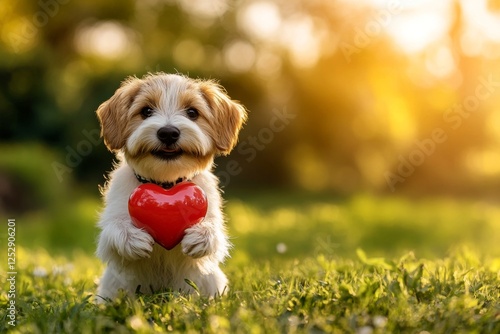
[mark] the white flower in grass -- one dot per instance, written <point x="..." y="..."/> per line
<point x="58" y="270"/>
<point x="136" y="322"/>
<point x="281" y="248"/>
<point x="379" y="321"/>
<point x="40" y="272"/>
<point x="294" y="320"/>
<point x="364" y="330"/>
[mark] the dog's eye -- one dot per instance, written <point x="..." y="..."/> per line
<point x="146" y="112"/>
<point x="192" y="113"/>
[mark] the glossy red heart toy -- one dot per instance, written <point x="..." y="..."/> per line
<point x="166" y="213"/>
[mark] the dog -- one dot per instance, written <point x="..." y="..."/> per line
<point x="165" y="129"/>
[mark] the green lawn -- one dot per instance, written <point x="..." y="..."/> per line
<point x="301" y="263"/>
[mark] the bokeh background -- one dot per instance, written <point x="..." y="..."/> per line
<point x="373" y="123"/>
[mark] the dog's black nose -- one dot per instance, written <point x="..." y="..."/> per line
<point x="168" y="134"/>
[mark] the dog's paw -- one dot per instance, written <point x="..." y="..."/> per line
<point x="198" y="242"/>
<point x="135" y="244"/>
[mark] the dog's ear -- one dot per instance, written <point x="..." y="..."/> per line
<point x="229" y="116"/>
<point x="114" y="113"/>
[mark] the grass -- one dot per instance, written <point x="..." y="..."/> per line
<point x="428" y="265"/>
<point x="458" y="294"/>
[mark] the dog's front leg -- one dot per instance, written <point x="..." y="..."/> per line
<point x="208" y="238"/>
<point x="120" y="237"/>
<point x="204" y="239"/>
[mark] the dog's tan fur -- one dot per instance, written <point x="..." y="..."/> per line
<point x="133" y="258"/>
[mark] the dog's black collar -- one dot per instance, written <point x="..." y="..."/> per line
<point x="165" y="185"/>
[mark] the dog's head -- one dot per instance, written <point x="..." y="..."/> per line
<point x="170" y="126"/>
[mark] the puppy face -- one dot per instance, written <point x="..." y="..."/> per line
<point x="170" y="126"/>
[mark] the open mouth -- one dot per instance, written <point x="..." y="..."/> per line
<point x="167" y="153"/>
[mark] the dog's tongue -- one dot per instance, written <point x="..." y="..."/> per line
<point x="169" y="150"/>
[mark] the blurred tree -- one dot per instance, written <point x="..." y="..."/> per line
<point x="362" y="98"/>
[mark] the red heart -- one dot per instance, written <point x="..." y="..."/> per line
<point x="166" y="213"/>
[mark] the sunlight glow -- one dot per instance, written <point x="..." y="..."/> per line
<point x="477" y="15"/>
<point x="485" y="162"/>
<point x="303" y="40"/>
<point x="416" y="31"/>
<point x="471" y="43"/>
<point x="260" y="19"/>
<point x="419" y="24"/>
<point x="482" y="36"/>
<point x="104" y="39"/>
<point x="205" y="9"/>
<point x="299" y="34"/>
<point x="400" y="123"/>
<point x="493" y="121"/>
<point x="239" y="56"/>
<point x="440" y="62"/>
<point x="423" y="23"/>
